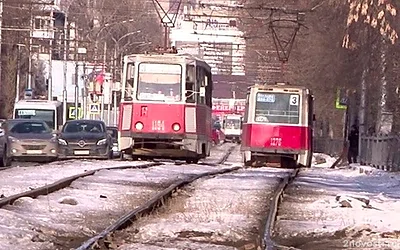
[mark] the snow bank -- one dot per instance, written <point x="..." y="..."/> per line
<point x="341" y="203"/>
<point x="322" y="160"/>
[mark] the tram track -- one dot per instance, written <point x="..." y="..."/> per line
<point x="16" y="164"/>
<point x="59" y="185"/>
<point x="113" y="236"/>
<point x="155" y="202"/>
<point x="65" y="182"/>
<point x="268" y="243"/>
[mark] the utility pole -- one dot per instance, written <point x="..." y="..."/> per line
<point x="29" y="85"/>
<point x="166" y="42"/>
<point x="111" y="92"/>
<point x="17" y="87"/>
<point x="84" y="93"/>
<point x="104" y="72"/>
<point x="76" y="90"/>
<point x="65" y="68"/>
<point x="76" y="80"/>
<point x="50" y="80"/>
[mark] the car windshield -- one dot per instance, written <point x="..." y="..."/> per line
<point x="30" y="128"/>
<point x="83" y="127"/>
<point x="45" y="115"/>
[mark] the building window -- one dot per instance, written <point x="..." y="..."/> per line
<point x="42" y="23"/>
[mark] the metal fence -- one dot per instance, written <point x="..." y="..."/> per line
<point x="327" y="145"/>
<point x="382" y="152"/>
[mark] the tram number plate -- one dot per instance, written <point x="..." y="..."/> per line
<point x="276" y="141"/>
<point x="158" y="125"/>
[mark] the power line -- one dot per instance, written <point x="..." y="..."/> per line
<point x="259" y="7"/>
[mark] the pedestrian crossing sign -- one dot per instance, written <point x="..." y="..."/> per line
<point x="72" y="113"/>
<point x="94" y="109"/>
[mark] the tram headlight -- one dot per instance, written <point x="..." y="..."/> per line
<point x="139" y="126"/>
<point x="176" y="127"/>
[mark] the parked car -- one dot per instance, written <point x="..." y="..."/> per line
<point x="85" y="139"/>
<point x="113" y="131"/>
<point x="5" y="161"/>
<point x="30" y="139"/>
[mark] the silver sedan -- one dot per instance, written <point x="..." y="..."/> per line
<point x="31" y="140"/>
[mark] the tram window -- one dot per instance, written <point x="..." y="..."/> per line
<point x="159" y="82"/>
<point x="130" y="76"/>
<point x="190" y="95"/>
<point x="277" y="108"/>
<point x="200" y="83"/>
<point x="190" y="85"/>
<point x="208" y="84"/>
<point x="190" y="73"/>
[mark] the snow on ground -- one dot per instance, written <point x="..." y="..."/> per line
<point x="311" y="217"/>
<point x="224" y="212"/>
<point x="20" y="179"/>
<point x="218" y="152"/>
<point x="88" y="206"/>
<point x="322" y="160"/>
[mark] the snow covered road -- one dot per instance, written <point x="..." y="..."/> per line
<point x="19" y="179"/>
<point x="224" y="212"/>
<point x="66" y="218"/>
<point x="313" y="216"/>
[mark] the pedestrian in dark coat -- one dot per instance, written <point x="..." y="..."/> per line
<point x="353" y="145"/>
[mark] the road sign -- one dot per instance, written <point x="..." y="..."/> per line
<point x="94" y="109"/>
<point x="341" y="99"/>
<point x="72" y="113"/>
<point x="28" y="94"/>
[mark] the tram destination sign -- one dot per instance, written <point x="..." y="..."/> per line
<point x="160" y="68"/>
<point x="265" y="97"/>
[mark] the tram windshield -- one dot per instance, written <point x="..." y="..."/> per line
<point x="277" y="108"/>
<point x="232" y="124"/>
<point x="159" y="82"/>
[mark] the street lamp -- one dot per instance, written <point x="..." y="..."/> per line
<point x="117" y="48"/>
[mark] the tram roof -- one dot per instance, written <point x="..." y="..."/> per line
<point x="273" y="87"/>
<point x="154" y="57"/>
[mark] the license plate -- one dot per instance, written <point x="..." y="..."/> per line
<point x="34" y="152"/>
<point x="82" y="152"/>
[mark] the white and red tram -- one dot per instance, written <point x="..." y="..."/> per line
<point x="165" y="110"/>
<point x="277" y="126"/>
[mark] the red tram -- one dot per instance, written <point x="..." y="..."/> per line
<point x="278" y="126"/>
<point x="165" y="110"/>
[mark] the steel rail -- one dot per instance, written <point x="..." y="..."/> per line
<point x="267" y="242"/>
<point x="37" y="164"/>
<point x="65" y="182"/>
<point x="155" y="202"/>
